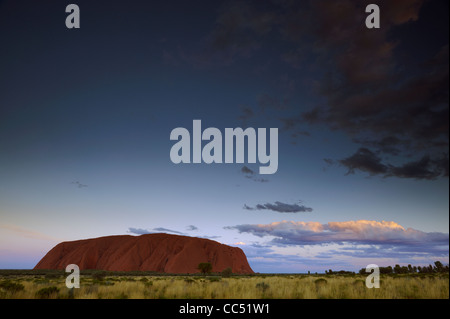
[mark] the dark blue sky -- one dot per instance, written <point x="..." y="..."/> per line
<point x="86" y="115"/>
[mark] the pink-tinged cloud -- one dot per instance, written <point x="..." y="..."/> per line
<point x="354" y="232"/>
<point x="28" y="233"/>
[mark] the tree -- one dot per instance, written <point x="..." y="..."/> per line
<point x="227" y="272"/>
<point x="205" y="268"/>
<point x="438" y="266"/>
<point x="397" y="269"/>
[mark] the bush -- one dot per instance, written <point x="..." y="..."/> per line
<point x="11" y="286"/>
<point x="320" y="282"/>
<point x="262" y="286"/>
<point x="98" y="275"/>
<point x="205" y="268"/>
<point x="47" y="292"/>
<point x="359" y="283"/>
<point x="227" y="272"/>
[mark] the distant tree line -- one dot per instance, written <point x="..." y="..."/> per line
<point x="397" y="269"/>
<point x="340" y="272"/>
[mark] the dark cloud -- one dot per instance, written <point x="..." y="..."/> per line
<point x="367" y="161"/>
<point x="422" y="169"/>
<point x="280" y="207"/>
<point x="247" y="170"/>
<point x="192" y="228"/>
<point x="388" y="98"/>
<point x="79" y="185"/>
<point x="389" y="145"/>
<point x="249" y="173"/>
<point x="369" y="91"/>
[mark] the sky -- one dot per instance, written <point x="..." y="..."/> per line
<point x="362" y="116"/>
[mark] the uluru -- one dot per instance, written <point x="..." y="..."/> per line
<point x="159" y="252"/>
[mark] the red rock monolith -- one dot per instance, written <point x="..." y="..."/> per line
<point x="158" y="252"/>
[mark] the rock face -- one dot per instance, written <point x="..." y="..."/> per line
<point x="151" y="252"/>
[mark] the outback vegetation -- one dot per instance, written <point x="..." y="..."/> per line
<point x="94" y="284"/>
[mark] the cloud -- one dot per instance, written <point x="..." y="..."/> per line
<point x="370" y="91"/>
<point x="209" y="237"/>
<point x="28" y="233"/>
<point x="369" y="232"/>
<point x="377" y="98"/>
<point x="138" y="231"/>
<point x="192" y="228"/>
<point x="79" y="185"/>
<point x="166" y="230"/>
<point x="249" y="173"/>
<point x="387" y="98"/>
<point x="424" y="168"/>
<point x="280" y="207"/>
<point x="367" y="161"/>
<point x="141" y="231"/>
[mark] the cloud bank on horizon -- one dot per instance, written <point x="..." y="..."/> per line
<point x="354" y="232"/>
<point x="342" y="244"/>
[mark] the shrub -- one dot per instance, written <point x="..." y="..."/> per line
<point x="359" y="283"/>
<point x="205" y="268"/>
<point x="320" y="282"/>
<point x="47" y="292"/>
<point x="52" y="275"/>
<point x="262" y="286"/>
<point x="227" y="272"/>
<point x="214" y="278"/>
<point x="11" y="286"/>
<point x="98" y="275"/>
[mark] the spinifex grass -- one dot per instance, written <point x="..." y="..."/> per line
<point x="251" y="287"/>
